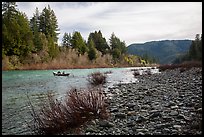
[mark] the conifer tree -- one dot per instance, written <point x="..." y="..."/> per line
<point x="78" y="43"/>
<point x="99" y="42"/>
<point x="117" y="47"/>
<point x="16" y="33"/>
<point x="92" y="50"/>
<point x="66" y="40"/>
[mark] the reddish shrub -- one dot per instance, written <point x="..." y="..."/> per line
<point x="79" y="106"/>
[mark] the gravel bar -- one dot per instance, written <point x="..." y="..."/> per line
<point x="166" y="103"/>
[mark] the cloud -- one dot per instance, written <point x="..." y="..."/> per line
<point x="133" y="22"/>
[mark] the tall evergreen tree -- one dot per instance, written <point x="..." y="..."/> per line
<point x="49" y="26"/>
<point x="35" y="27"/>
<point x="9" y="10"/>
<point x="99" y="41"/>
<point x="17" y="36"/>
<point x="52" y="47"/>
<point x="200" y="48"/>
<point x="35" y="21"/>
<point x="195" y="51"/>
<point x="78" y="43"/>
<point x="92" y="50"/>
<point x="66" y="40"/>
<point x="26" y="36"/>
<point x="117" y="47"/>
<point x="9" y="24"/>
<point x="48" y="23"/>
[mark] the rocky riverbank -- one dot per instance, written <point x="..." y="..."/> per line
<point x="166" y="103"/>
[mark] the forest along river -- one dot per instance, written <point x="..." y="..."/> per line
<point x="16" y="85"/>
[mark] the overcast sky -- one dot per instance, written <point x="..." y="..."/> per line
<point x="132" y="22"/>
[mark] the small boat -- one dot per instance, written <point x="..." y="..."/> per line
<point x="60" y="74"/>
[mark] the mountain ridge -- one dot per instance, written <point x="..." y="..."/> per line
<point x="165" y="51"/>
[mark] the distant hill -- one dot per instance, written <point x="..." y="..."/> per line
<point x="165" y="51"/>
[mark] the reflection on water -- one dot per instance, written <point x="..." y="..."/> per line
<point x="17" y="84"/>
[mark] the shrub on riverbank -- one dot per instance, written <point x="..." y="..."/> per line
<point x="65" y="117"/>
<point x="97" y="78"/>
<point x="136" y="73"/>
<point x="186" y="65"/>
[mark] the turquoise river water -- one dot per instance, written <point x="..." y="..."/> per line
<point x="16" y="85"/>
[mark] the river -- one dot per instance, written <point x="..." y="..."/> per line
<point x="16" y="85"/>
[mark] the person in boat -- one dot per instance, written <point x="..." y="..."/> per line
<point x="63" y="72"/>
<point x="58" y="72"/>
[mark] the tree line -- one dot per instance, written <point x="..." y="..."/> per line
<point x="96" y="42"/>
<point x="194" y="53"/>
<point x="24" y="38"/>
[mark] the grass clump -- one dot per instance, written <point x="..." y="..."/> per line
<point x="97" y="78"/>
<point x="64" y="117"/>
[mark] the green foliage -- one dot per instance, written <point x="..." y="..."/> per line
<point x="116" y="53"/>
<point x="181" y="58"/>
<point x="194" y="53"/>
<point x="35" y="21"/>
<point x="52" y="48"/>
<point x="48" y="23"/>
<point x="9" y="10"/>
<point x="78" y="43"/>
<point x="92" y="50"/>
<point x="25" y="35"/>
<point x="33" y="41"/>
<point x="16" y="34"/>
<point x="149" y="59"/>
<point x="99" y="42"/>
<point x="34" y="25"/>
<point x="66" y="40"/>
<point x="131" y="59"/>
<point x="48" y="26"/>
<point x="143" y="62"/>
<point x="117" y="47"/>
<point x="14" y="62"/>
<point x="164" y="51"/>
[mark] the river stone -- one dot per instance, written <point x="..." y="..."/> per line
<point x="176" y="100"/>
<point x="174" y="107"/>
<point x="155" y="114"/>
<point x="90" y="129"/>
<point x="140" y="133"/>
<point x="178" y="127"/>
<point x="130" y="113"/>
<point x="131" y="105"/>
<point x="130" y="124"/>
<point x="162" y="125"/>
<point x="154" y="111"/>
<point x="173" y="113"/>
<point x="199" y="110"/>
<point x="105" y="123"/>
<point x="114" y="109"/>
<point x="140" y="119"/>
<point x="181" y="116"/>
<point x="120" y="115"/>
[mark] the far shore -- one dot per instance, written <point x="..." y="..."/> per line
<point x="46" y="67"/>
